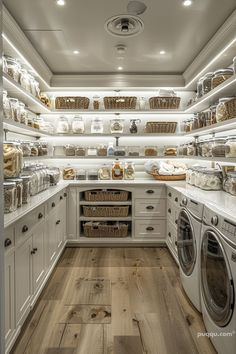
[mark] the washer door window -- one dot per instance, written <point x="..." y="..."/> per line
<point x="186" y="244"/>
<point x="216" y="280"/>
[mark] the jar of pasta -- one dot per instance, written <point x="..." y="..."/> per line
<point x="220" y="76"/>
<point x="218" y="147"/>
<point x="206" y="83"/>
<point x="13" y="68"/>
<point x="19" y="190"/>
<point x="221" y="109"/>
<point x="11" y="160"/>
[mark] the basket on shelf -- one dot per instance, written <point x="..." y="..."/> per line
<point x="75" y="102"/>
<point x="230" y="107"/>
<point x="105" y="229"/>
<point x="120" y="102"/>
<point x="106" y="196"/>
<point x="164" y="102"/>
<point x="161" y="127"/>
<point x="168" y="177"/>
<point x="105" y="211"/>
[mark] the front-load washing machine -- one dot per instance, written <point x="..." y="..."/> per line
<point x="218" y="278"/>
<point x="188" y="245"/>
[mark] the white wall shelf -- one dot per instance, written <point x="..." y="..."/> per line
<point x="19" y="128"/>
<point x="85" y="218"/>
<point x="83" y="202"/>
<point x="100" y="157"/>
<point x="215" y="159"/>
<point x="226" y="125"/>
<point x="117" y="111"/>
<point x="141" y="135"/>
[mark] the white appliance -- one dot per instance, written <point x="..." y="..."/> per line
<point x="218" y="278"/>
<point x="188" y="246"/>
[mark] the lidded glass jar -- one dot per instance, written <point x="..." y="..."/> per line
<point x="13" y="159"/>
<point x="119" y="151"/>
<point x="80" y="174"/>
<point x="221" y="110"/>
<point x="200" y="87"/>
<point x="7" y="110"/>
<point x="230" y="146"/>
<point x="104" y="173"/>
<point x="102" y="150"/>
<point x="116" y="126"/>
<point x="23" y="113"/>
<point x="211" y="180"/>
<point x="206" y="83"/>
<point x="13" y="68"/>
<point x="150" y="151"/>
<point x="229" y="184"/>
<point x="77" y="125"/>
<point x="26" y="148"/>
<point x="117" y="170"/>
<point x="26" y="182"/>
<point x="92" y="175"/>
<point x="97" y="126"/>
<point x="206" y="148"/>
<point x="133" y="126"/>
<point x="19" y="190"/>
<point x="34" y="149"/>
<point x="191" y="149"/>
<point x="69" y="150"/>
<point x="218" y="147"/>
<point x="80" y="151"/>
<point x="10" y="197"/>
<point x="96" y="102"/>
<point x="63" y="125"/>
<point x="25" y="80"/>
<point x="129" y="170"/>
<point x="213" y="114"/>
<point x="220" y="76"/>
<point x="92" y="151"/>
<point x="34" y="185"/>
<point x="32" y="83"/>
<point x="4" y="64"/>
<point x="15" y="109"/>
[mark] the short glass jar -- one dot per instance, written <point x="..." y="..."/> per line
<point x="92" y="151"/>
<point x="221" y="109"/>
<point x="211" y="180"/>
<point x="129" y="172"/>
<point x="102" y="150"/>
<point x="230" y="146"/>
<point x="150" y="151"/>
<point x="229" y="184"/>
<point x="80" y="151"/>
<point x="69" y="150"/>
<point x="218" y="147"/>
<point x="77" y="125"/>
<point x="10" y="197"/>
<point x="80" y="174"/>
<point x="97" y="126"/>
<point x="117" y="126"/>
<point x="63" y="126"/>
<point x="104" y="172"/>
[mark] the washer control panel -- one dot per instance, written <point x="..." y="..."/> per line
<point x="228" y="228"/>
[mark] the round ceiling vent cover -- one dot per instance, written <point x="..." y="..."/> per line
<point x="124" y="25"/>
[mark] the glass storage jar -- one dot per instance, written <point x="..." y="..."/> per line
<point x="213" y="114"/>
<point x="206" y="148"/>
<point x="206" y="83"/>
<point x="69" y="150"/>
<point x="200" y="87"/>
<point x="11" y="159"/>
<point x="191" y="149"/>
<point x="150" y="151"/>
<point x="218" y="147"/>
<point x="26" y="149"/>
<point x="10" y="197"/>
<point x="221" y="109"/>
<point x="119" y="151"/>
<point x="34" y="149"/>
<point x="92" y="175"/>
<point x="32" y="84"/>
<point x="15" y="109"/>
<point x="7" y="110"/>
<point x="117" y="170"/>
<point x="80" y="151"/>
<point x="229" y="184"/>
<point x="92" y="151"/>
<point x="133" y="151"/>
<point x="23" y="113"/>
<point x="129" y="170"/>
<point x="110" y="149"/>
<point x="69" y="173"/>
<point x="43" y="148"/>
<point x="97" y="126"/>
<point x="96" y="102"/>
<point x="4" y="64"/>
<point x="230" y="146"/>
<point x="117" y="126"/>
<point x="30" y="170"/>
<point x="102" y="150"/>
<point x="104" y="172"/>
<point x="26" y="182"/>
<point x="80" y="174"/>
<point x="77" y="125"/>
<point x="211" y="180"/>
<point x="19" y="190"/>
<point x="54" y="175"/>
<point x="63" y="126"/>
<point x="13" y="68"/>
<point x="133" y="126"/>
<point x="25" y="80"/>
<point x="220" y="76"/>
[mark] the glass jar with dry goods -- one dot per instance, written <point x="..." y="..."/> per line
<point x="33" y="85"/>
<point x="220" y="76"/>
<point x="218" y="147"/>
<point x="119" y="151"/>
<point x="19" y="190"/>
<point x="133" y="151"/>
<point x="54" y="175"/>
<point x="80" y="151"/>
<point x="213" y="114"/>
<point x="229" y="184"/>
<point x="69" y="173"/>
<point x="97" y="126"/>
<point x="230" y="146"/>
<point x="26" y="182"/>
<point x="23" y="113"/>
<point x="10" y="197"/>
<point x="44" y="149"/>
<point x="206" y="148"/>
<point x="93" y="175"/>
<point x="96" y="102"/>
<point x="221" y="109"/>
<point x="25" y="80"/>
<point x="191" y="149"/>
<point x="210" y="180"/>
<point x="102" y="150"/>
<point x="92" y="151"/>
<point x="26" y="149"/>
<point x="80" y="174"/>
<point x="34" y="149"/>
<point x="15" y="109"/>
<point x="117" y="170"/>
<point x="13" y="68"/>
<point x="7" y="110"/>
<point x="63" y="126"/>
<point x="77" y="125"/>
<point x="150" y="151"/>
<point x="69" y="150"/>
<point x="117" y="126"/>
<point x="104" y="172"/>
<point x="206" y="83"/>
<point x="134" y="126"/>
<point x="34" y="179"/>
<point x="129" y="170"/>
<point x="200" y="87"/>
<point x="187" y="126"/>
<point x="13" y="158"/>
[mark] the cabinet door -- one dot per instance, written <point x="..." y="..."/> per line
<point x="23" y="265"/>
<point x="9" y="296"/>
<point x="38" y="257"/>
<point x="72" y="214"/>
<point x="61" y="225"/>
<point x="51" y="238"/>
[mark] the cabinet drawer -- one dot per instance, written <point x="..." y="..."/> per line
<point x="149" y="208"/>
<point x="56" y="200"/>
<point x="9" y="240"/>
<point x="150" y="192"/>
<point x="174" y="196"/>
<point x="155" y="229"/>
<point x="25" y="225"/>
<point x="172" y="212"/>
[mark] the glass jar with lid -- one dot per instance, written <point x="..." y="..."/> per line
<point x="13" y="68"/>
<point x="26" y="148"/>
<point x="34" y="149"/>
<point x="69" y="150"/>
<point x="129" y="172"/>
<point x="187" y="126"/>
<point x="211" y="180"/>
<point x="92" y="174"/>
<point x="119" y="151"/>
<point x="92" y="151"/>
<point x="26" y="183"/>
<point x="96" y="102"/>
<point x="19" y="190"/>
<point x="4" y="64"/>
<point x="133" y="126"/>
<point x="10" y="197"/>
<point x="230" y="146"/>
<point x="80" y="174"/>
<point x="206" y="148"/>
<point x="43" y="148"/>
<point x="7" y="110"/>
<point x="221" y="109"/>
<point x="97" y="126"/>
<point x="191" y="149"/>
<point x="117" y="170"/>
<point x="80" y="151"/>
<point x="218" y="147"/>
<point x="104" y="173"/>
<point x="213" y="114"/>
<point x="30" y="170"/>
<point x="12" y="166"/>
<point x="117" y="126"/>
<point x="195" y="124"/>
<point x="133" y="151"/>
<point x="77" y="125"/>
<point x="150" y="151"/>
<point x="23" y="113"/>
<point x="220" y="76"/>
<point x="63" y="126"/>
<point x="25" y="80"/>
<point x="229" y="184"/>
<point x="32" y="83"/>
<point x="15" y="109"/>
<point x="200" y="87"/>
<point x="206" y="83"/>
<point x="102" y="150"/>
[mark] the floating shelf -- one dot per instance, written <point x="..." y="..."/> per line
<point x="18" y="128"/>
<point x="85" y="218"/>
<point x="128" y="135"/>
<point x="14" y="89"/>
<point x="100" y="157"/>
<point x="214" y="128"/>
<point x="116" y="111"/>
<point x="215" y="159"/>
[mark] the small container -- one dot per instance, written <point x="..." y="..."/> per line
<point x="43" y="149"/>
<point x="150" y="151"/>
<point x="25" y="80"/>
<point x="69" y="173"/>
<point x="117" y="126"/>
<point x="26" y="182"/>
<point x="133" y="126"/>
<point x="77" y="125"/>
<point x="34" y="149"/>
<point x="26" y="149"/>
<point x="218" y="147"/>
<point x="102" y="150"/>
<point x="191" y="149"/>
<point x="170" y="151"/>
<point x="10" y="197"/>
<point x="13" y="68"/>
<point x="96" y="102"/>
<point x="206" y="148"/>
<point x="7" y="110"/>
<point x="230" y="146"/>
<point x="97" y="126"/>
<point x="92" y="151"/>
<point x="206" y="83"/>
<point x="221" y="110"/>
<point x="15" y="109"/>
<point x="129" y="170"/>
<point x="92" y="175"/>
<point x="63" y="126"/>
<point x="229" y="184"/>
<point x="213" y="114"/>
<point x="110" y="149"/>
<point x="19" y="190"/>
<point x="80" y="174"/>
<point x="133" y="151"/>
<point x="220" y="76"/>
<point x="80" y="151"/>
<point x="23" y="113"/>
<point x="104" y="172"/>
<point x="54" y="175"/>
<point x="69" y="150"/>
<point x="119" y="151"/>
<point x="117" y="170"/>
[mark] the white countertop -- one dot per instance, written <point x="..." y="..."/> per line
<point x="220" y="201"/>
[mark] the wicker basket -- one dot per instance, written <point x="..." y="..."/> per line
<point x="169" y="178"/>
<point x="106" y="196"/>
<point x="105" y="211"/>
<point x="164" y="102"/>
<point x="231" y="108"/>
<point x="105" y="230"/>
<point x="161" y="127"/>
<point x="120" y="102"/>
<point x="72" y="102"/>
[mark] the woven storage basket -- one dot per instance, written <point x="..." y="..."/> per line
<point x="76" y="102"/>
<point x="105" y="230"/>
<point x="169" y="178"/>
<point x="105" y="211"/>
<point x="161" y="127"/>
<point x="164" y="102"/>
<point x="106" y="196"/>
<point x="231" y="108"/>
<point x="120" y="102"/>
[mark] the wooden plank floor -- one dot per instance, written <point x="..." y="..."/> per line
<point x="114" y="301"/>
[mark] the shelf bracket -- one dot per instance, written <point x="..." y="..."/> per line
<point x="117" y="140"/>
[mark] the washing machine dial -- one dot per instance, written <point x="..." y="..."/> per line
<point x="185" y="201"/>
<point x="214" y="220"/>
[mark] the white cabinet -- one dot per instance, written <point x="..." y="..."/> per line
<point x="72" y="213"/>
<point x="9" y="296"/>
<point x="38" y="257"/>
<point x="51" y="239"/>
<point x="173" y="209"/>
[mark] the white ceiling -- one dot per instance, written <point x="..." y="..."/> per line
<point x="56" y="31"/>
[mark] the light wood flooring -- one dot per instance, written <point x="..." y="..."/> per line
<point x="114" y="301"/>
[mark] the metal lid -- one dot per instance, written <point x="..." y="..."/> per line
<point x="17" y="180"/>
<point x="224" y="71"/>
<point x="9" y="184"/>
<point x="26" y="178"/>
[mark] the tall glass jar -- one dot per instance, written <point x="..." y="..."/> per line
<point x="23" y="113"/>
<point x="97" y="126"/>
<point x="200" y="87"/>
<point x="206" y="83"/>
<point x="19" y="190"/>
<point x="63" y="125"/>
<point x="77" y="125"/>
<point x="13" y="68"/>
<point x="12" y="160"/>
<point x="221" y="110"/>
<point x="96" y="102"/>
<point x="25" y="80"/>
<point x="230" y="146"/>
<point x="26" y="181"/>
<point x="213" y="114"/>
<point x="10" y="197"/>
<point x="129" y="170"/>
<point x="7" y="110"/>
<point x="117" y="170"/>
<point x="15" y="109"/>
<point x="32" y="85"/>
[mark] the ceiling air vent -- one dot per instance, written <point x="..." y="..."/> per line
<point x="124" y="25"/>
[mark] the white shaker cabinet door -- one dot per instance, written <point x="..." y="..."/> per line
<point x="9" y="296"/>
<point x="51" y="237"/>
<point x="38" y="256"/>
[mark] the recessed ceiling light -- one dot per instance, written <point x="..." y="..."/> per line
<point x="61" y="2"/>
<point x="76" y="52"/>
<point x="120" y="68"/>
<point x="187" y="2"/>
<point x="162" y="52"/>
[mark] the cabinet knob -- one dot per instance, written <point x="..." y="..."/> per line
<point x="61" y="197"/>
<point x="32" y="252"/>
<point x="150" y="228"/>
<point x="150" y="191"/>
<point x="169" y="210"/>
<point x="25" y="228"/>
<point x="169" y="234"/>
<point x="58" y="222"/>
<point x="176" y="243"/>
<point x="53" y="205"/>
<point x="40" y="216"/>
<point x="35" y="249"/>
<point x="176" y="221"/>
<point x="169" y="194"/>
<point x="7" y="242"/>
<point x="150" y="207"/>
<point x="65" y="195"/>
<point x="176" y="199"/>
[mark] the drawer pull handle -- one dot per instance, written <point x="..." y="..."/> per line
<point x="25" y="228"/>
<point x="150" y="228"/>
<point x="150" y="191"/>
<point x="150" y="207"/>
<point x="53" y="205"/>
<point x="169" y="234"/>
<point x="61" y="197"/>
<point x="175" y="243"/>
<point x="40" y="216"/>
<point x="32" y="252"/>
<point x="58" y="222"/>
<point x="7" y="242"/>
<point x="169" y="194"/>
<point x="169" y="210"/>
<point x="65" y="195"/>
<point x="176" y="221"/>
<point x="176" y="199"/>
<point x="35" y="249"/>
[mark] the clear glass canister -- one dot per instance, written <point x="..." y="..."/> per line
<point x="15" y="109"/>
<point x="129" y="170"/>
<point x="34" y="149"/>
<point x="19" y="190"/>
<point x="191" y="149"/>
<point x="220" y="76"/>
<point x="10" y="197"/>
<point x="93" y="174"/>
<point x="32" y="83"/>
<point x="97" y="126"/>
<point x="69" y="173"/>
<point x="102" y="150"/>
<point x="13" y="68"/>
<point x="77" y="125"/>
<point x="117" y="170"/>
<point x="7" y="111"/>
<point x="218" y="147"/>
<point x="92" y="151"/>
<point x="23" y="113"/>
<point x="206" y="148"/>
<point x="4" y="64"/>
<point x="206" y="83"/>
<point x="63" y="126"/>
<point x="26" y="149"/>
<point x="211" y="180"/>
<point x="117" y="126"/>
<point x="43" y="148"/>
<point x="230" y="146"/>
<point x="150" y="151"/>
<point x="200" y="87"/>
<point x="221" y="109"/>
<point x="80" y="151"/>
<point x="96" y="102"/>
<point x="213" y="114"/>
<point x="229" y="184"/>
<point x="119" y="151"/>
<point x="133" y="151"/>
<point x="25" y="80"/>
<point x="69" y="150"/>
<point x="26" y="181"/>
<point x="81" y="174"/>
<point x="11" y="159"/>
<point x="104" y="173"/>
